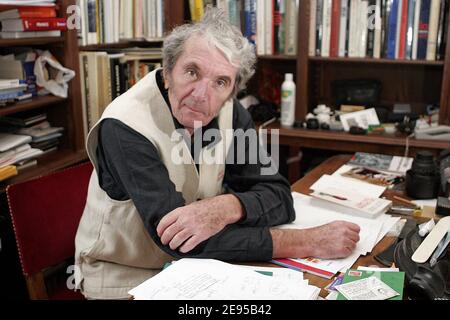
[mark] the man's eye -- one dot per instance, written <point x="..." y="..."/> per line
<point x="191" y="73"/>
<point x="221" y="83"/>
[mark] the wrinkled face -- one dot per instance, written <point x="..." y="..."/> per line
<point x="200" y="83"/>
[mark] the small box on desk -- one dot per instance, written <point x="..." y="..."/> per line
<point x="443" y="206"/>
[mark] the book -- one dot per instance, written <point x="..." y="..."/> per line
<point x="34" y="24"/>
<point x="31" y="34"/>
<point x="394" y="280"/>
<point x="7" y="172"/>
<point x="382" y="162"/>
<point x="9" y="141"/>
<point x="302" y="265"/>
<point x="359" y="203"/>
<point x="29" y="12"/>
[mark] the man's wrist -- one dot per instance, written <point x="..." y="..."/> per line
<point x="233" y="209"/>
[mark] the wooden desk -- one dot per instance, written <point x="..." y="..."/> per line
<point x="303" y="185"/>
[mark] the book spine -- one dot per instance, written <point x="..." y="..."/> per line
<point x="276" y="23"/>
<point x="319" y="26"/>
<point x="410" y="29"/>
<point x="371" y="17"/>
<point x="312" y="28"/>
<point x="403" y="30"/>
<point x="423" y="29"/>
<point x="44" y="24"/>
<point x="392" y="30"/>
<point x="433" y="30"/>
<point x="326" y="19"/>
<point x="416" y="29"/>
<point x="36" y="12"/>
<point x="335" y="25"/>
<point x="342" y="51"/>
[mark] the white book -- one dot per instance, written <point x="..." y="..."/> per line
<point x="433" y="30"/>
<point x="268" y="21"/>
<point x="260" y="28"/>
<point x="29" y="34"/>
<point x="159" y="19"/>
<point x="108" y="21"/>
<point x="352" y="35"/>
<point x="312" y="28"/>
<point x="416" y="29"/>
<point x="363" y="16"/>
<point x="9" y="141"/>
<point x="343" y="28"/>
<point x="326" y="35"/>
<point x="369" y="207"/>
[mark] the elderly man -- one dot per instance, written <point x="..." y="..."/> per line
<point x="145" y="208"/>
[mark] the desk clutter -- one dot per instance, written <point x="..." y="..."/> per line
<point x="334" y="197"/>
<point x="208" y="279"/>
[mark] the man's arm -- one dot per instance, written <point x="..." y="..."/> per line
<point x="266" y="199"/>
<point x="130" y="168"/>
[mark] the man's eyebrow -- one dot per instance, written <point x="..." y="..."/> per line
<point x="192" y="65"/>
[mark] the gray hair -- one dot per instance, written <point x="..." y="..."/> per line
<point x="216" y="28"/>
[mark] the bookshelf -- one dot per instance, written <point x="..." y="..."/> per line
<point x="403" y="81"/>
<point x="62" y="112"/>
<point x="402" y="75"/>
<point x="67" y="112"/>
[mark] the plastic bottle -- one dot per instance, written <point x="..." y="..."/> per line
<point x="288" y="101"/>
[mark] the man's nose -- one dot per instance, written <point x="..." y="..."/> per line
<point x="200" y="89"/>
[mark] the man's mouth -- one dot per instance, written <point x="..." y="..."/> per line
<point x="192" y="109"/>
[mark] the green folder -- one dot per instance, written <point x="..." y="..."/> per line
<point x="395" y="280"/>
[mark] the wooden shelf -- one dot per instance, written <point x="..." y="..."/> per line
<point x="342" y="141"/>
<point x="30" y="104"/>
<point x="278" y="57"/>
<point x="378" y="61"/>
<point x="120" y="45"/>
<point x="48" y="163"/>
<point x="30" y="41"/>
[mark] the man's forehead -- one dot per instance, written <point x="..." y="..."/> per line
<point x="199" y="51"/>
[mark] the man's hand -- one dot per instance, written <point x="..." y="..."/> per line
<point x="187" y="226"/>
<point x="334" y="240"/>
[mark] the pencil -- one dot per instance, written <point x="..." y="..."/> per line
<point x="406" y="201"/>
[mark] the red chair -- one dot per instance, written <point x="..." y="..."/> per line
<point x="45" y="213"/>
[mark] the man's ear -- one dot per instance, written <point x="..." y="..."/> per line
<point x="166" y="78"/>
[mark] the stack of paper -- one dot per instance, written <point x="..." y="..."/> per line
<point x="207" y="279"/>
<point x="311" y="212"/>
<point x="362" y="198"/>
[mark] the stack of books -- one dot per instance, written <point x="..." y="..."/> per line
<point x="43" y="136"/>
<point x="12" y="90"/>
<point x="34" y="21"/>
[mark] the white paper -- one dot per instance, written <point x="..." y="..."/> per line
<point x="352" y="185"/>
<point x="206" y="279"/>
<point x="362" y="119"/>
<point x="370" y="288"/>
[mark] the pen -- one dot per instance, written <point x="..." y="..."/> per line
<point x="332" y="195"/>
<point x="406" y="201"/>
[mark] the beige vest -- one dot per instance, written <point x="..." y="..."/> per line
<point x="114" y="251"/>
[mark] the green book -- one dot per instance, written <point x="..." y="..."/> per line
<point x="395" y="280"/>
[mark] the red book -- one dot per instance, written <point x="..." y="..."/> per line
<point x="29" y="12"/>
<point x="34" y="24"/>
<point x="335" y="27"/>
<point x="403" y="27"/>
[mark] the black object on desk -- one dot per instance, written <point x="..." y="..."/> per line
<point x="386" y="257"/>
